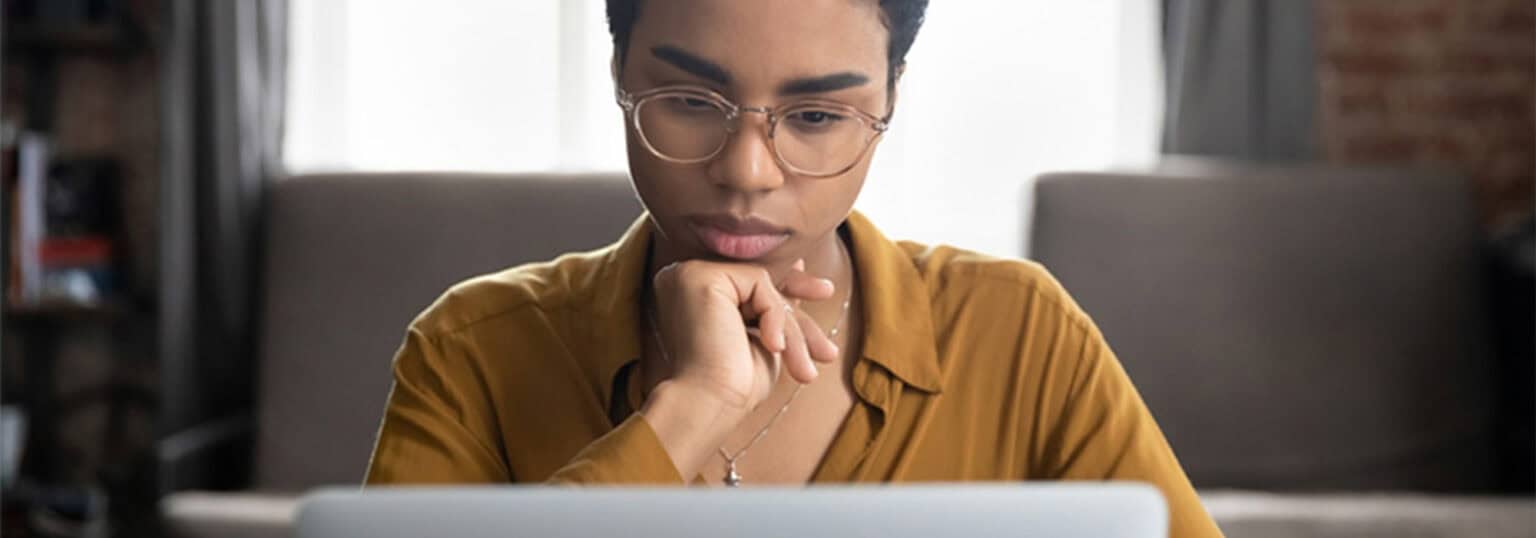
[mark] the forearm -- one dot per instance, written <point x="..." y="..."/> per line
<point x="690" y="424"/>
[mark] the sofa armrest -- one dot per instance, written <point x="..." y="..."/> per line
<point x="186" y="457"/>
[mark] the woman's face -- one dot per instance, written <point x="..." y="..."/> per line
<point x="743" y="205"/>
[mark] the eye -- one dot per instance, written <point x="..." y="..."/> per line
<point x="691" y="103"/>
<point x="816" y="117"/>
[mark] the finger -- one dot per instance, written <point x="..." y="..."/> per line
<point x="769" y="331"/>
<point x="764" y="302"/>
<point x="799" y="284"/>
<point x="771" y="361"/>
<point x="817" y="343"/>
<point x="804" y="286"/>
<point x="776" y="366"/>
<point x="797" y="357"/>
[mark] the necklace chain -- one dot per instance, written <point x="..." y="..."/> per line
<point x="732" y="477"/>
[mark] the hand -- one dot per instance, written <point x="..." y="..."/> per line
<point x="728" y="329"/>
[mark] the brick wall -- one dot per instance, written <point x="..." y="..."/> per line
<point x="1447" y="82"/>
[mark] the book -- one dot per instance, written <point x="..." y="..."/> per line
<point x="76" y="270"/>
<point x="32" y="154"/>
<point x="11" y="279"/>
<point x="61" y="226"/>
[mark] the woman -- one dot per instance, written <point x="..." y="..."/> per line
<point x="751" y="328"/>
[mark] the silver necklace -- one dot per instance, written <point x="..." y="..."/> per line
<point x="732" y="477"/>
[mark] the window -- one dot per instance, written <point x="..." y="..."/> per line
<point x="996" y="92"/>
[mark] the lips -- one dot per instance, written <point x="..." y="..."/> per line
<point x="741" y="238"/>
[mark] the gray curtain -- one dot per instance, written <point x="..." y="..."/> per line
<point x="222" y="112"/>
<point x="1242" y="79"/>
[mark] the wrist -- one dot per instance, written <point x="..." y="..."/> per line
<point x="691" y="423"/>
<point x="699" y="406"/>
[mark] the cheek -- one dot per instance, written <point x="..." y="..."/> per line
<point x="825" y="202"/>
<point x="645" y="172"/>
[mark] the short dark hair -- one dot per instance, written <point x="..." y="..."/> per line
<point x="902" y="18"/>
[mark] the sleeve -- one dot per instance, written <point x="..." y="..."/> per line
<point x="630" y="454"/>
<point x="1106" y="432"/>
<point x="440" y="427"/>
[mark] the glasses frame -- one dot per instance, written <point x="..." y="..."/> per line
<point x="632" y="102"/>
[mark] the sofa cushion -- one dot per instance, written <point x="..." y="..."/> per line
<point x="1290" y="327"/>
<point x="207" y="514"/>
<point x="1243" y="514"/>
<point x="351" y="259"/>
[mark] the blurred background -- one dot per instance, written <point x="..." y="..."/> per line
<point x="220" y="215"/>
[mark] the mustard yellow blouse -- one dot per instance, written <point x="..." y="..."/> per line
<point x="973" y="368"/>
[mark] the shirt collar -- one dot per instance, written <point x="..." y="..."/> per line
<point x="898" y="324"/>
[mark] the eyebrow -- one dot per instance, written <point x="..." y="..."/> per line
<point x="687" y="61"/>
<point x="828" y="83"/>
<point x="713" y="72"/>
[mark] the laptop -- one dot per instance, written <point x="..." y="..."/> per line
<point x="1087" y="509"/>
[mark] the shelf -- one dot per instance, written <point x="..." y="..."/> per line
<point x="95" y="38"/>
<point x="65" y="311"/>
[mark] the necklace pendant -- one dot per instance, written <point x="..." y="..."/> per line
<point x="732" y="478"/>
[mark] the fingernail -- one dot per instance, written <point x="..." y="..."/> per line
<point x="828" y="282"/>
<point x="800" y="264"/>
<point x="781" y="342"/>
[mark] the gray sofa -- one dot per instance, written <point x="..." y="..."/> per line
<point x="1315" y="333"/>
<point x="1252" y="407"/>
<point x="350" y="260"/>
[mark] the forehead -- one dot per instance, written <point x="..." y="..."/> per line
<point x="768" y="41"/>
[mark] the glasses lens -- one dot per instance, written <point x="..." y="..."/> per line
<point x="821" y="140"/>
<point x="682" y="126"/>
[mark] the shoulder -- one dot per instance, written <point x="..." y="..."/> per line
<point x="997" y="321"/>
<point x="533" y="288"/>
<point x="960" y="277"/>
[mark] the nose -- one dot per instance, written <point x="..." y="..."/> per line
<point x="746" y="163"/>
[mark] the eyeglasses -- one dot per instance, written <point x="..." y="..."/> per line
<point x="690" y="125"/>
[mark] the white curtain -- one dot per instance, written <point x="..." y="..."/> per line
<point x="996" y="92"/>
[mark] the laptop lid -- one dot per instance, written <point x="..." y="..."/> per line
<point x="1096" y="509"/>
